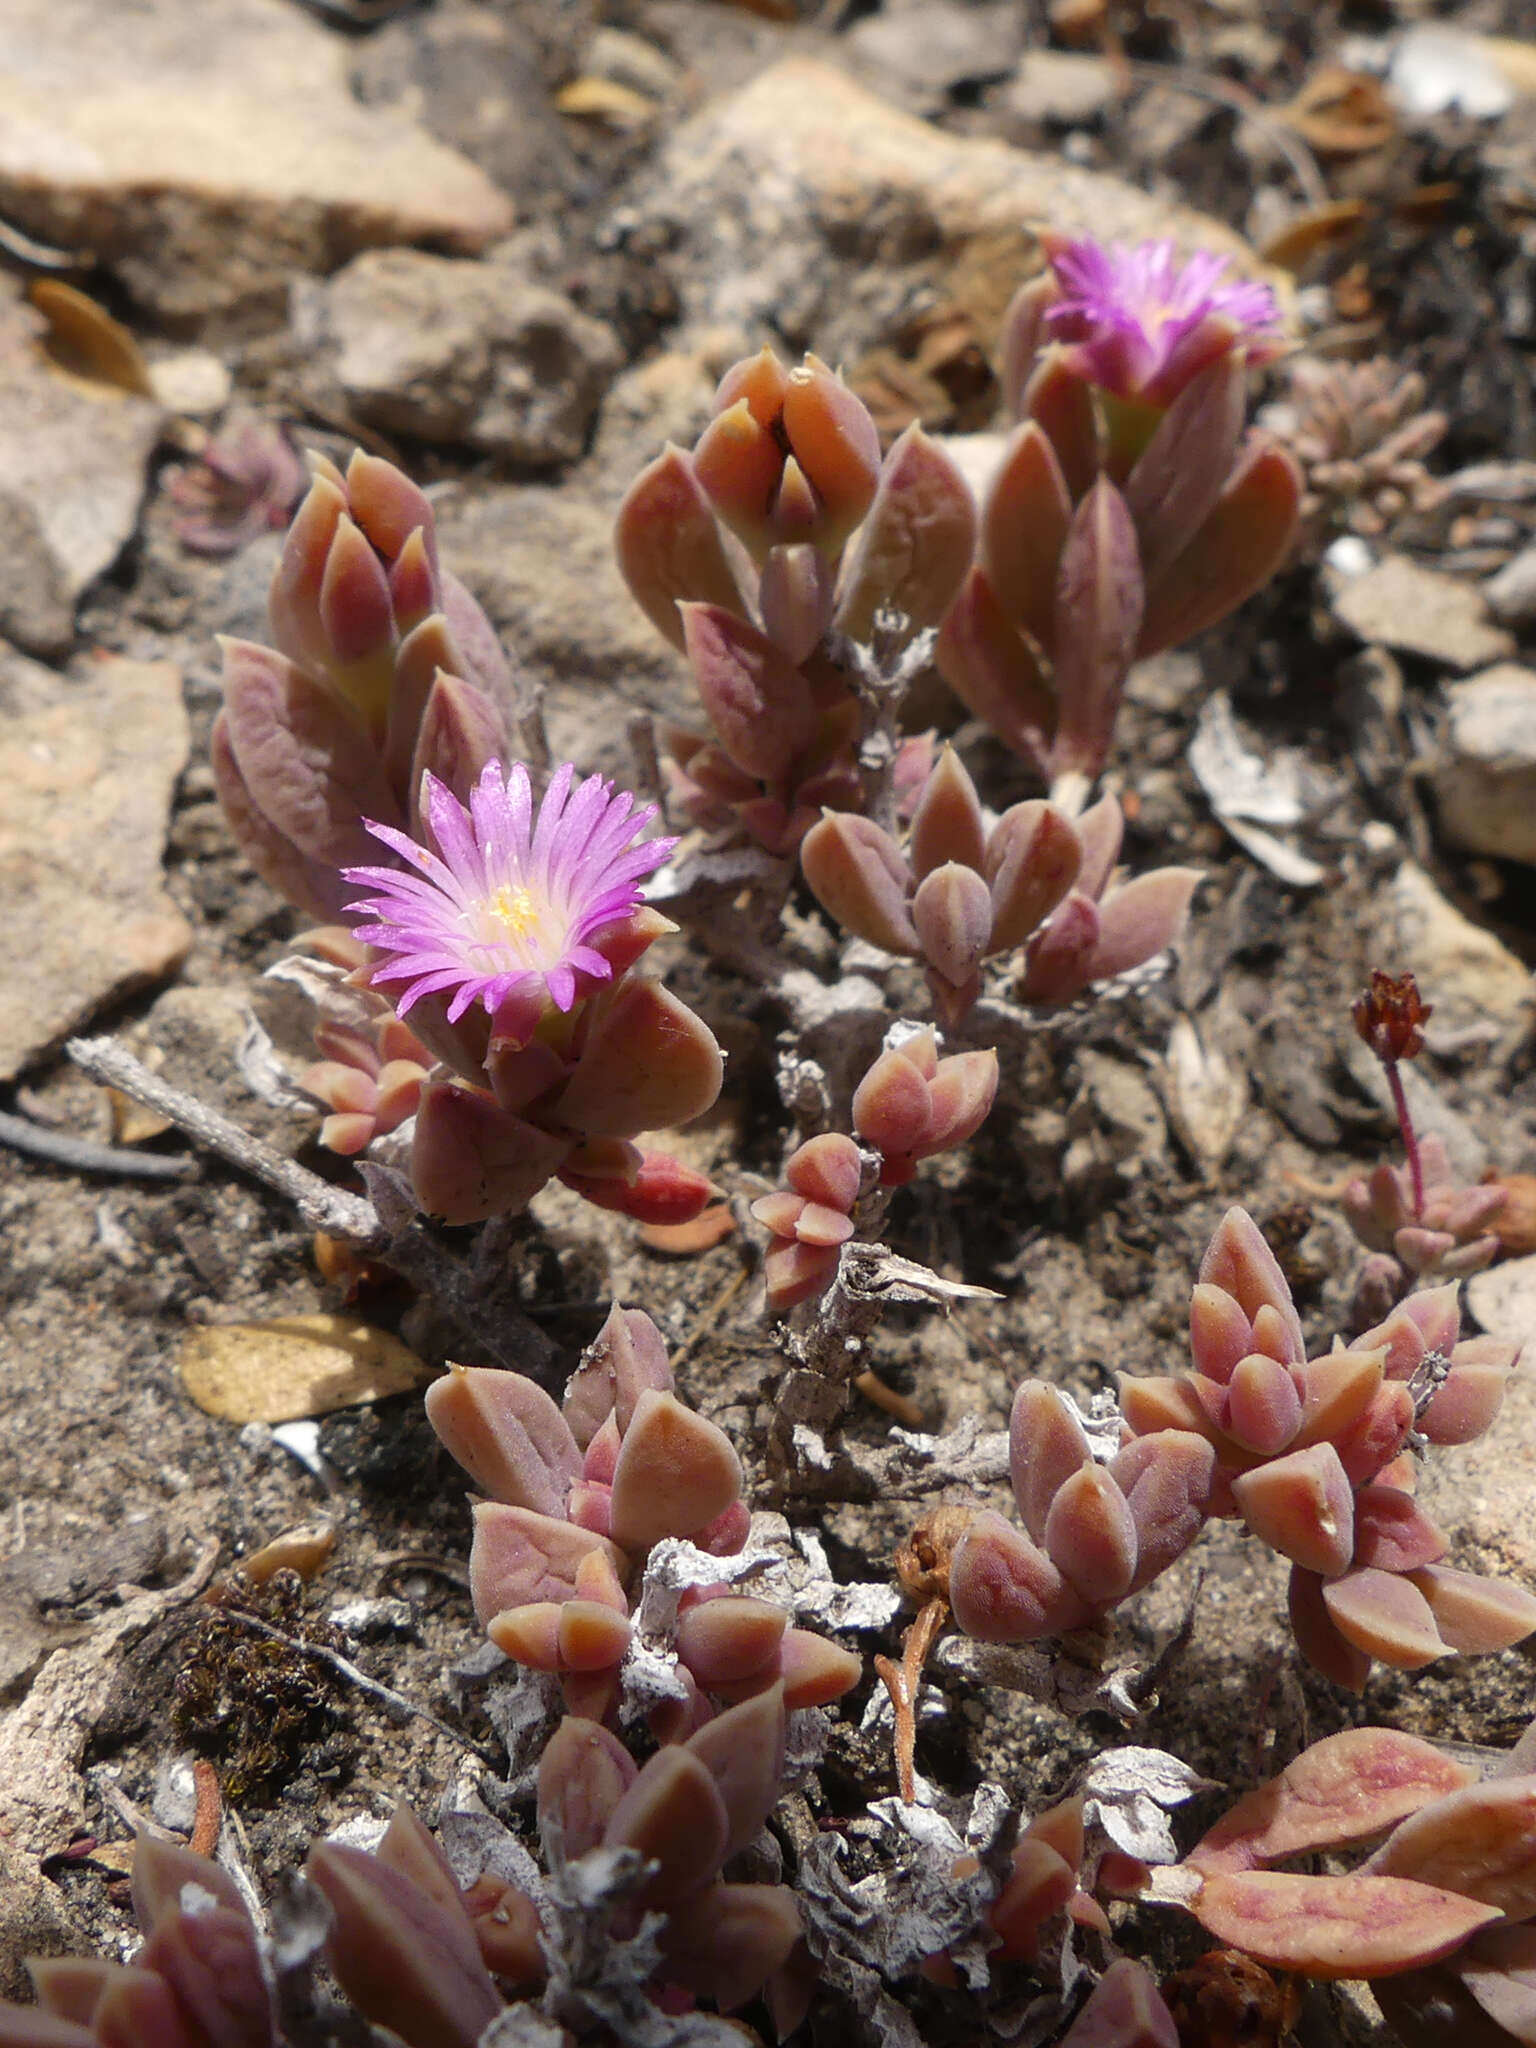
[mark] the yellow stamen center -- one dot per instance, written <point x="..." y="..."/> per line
<point x="515" y="910"/>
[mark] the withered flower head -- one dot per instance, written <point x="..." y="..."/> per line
<point x="1391" y="1015"/>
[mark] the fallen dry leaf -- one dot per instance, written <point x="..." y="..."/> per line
<point x="85" y="342"/>
<point x="294" y="1366"/>
<point x="604" y="99"/>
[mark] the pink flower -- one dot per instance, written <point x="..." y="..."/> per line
<point x="513" y="910"/>
<point x="1142" y="326"/>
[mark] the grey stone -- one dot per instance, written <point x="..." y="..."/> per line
<point x="923" y="52"/>
<point x="1412" y="610"/>
<point x="205" y="154"/>
<point x="1485" y="778"/>
<point x="805" y="204"/>
<point x="1469" y="976"/>
<point x="465" y="353"/>
<point x="1511" y="594"/>
<point x="73" y="464"/>
<point x="88" y="768"/>
<point x="541" y="562"/>
<point x="1066" y="88"/>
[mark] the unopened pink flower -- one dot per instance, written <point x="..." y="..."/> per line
<point x="506" y="911"/>
<point x="1143" y="325"/>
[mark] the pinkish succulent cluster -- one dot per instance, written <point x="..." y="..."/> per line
<point x="959" y="894"/>
<point x="1127" y="513"/>
<point x="1310" y="1454"/>
<point x="197" y="1982"/>
<point x="910" y="1106"/>
<point x="370" y="1073"/>
<point x="1444" y="1227"/>
<point x="1440" y="1918"/>
<point x="577" y="1498"/>
<point x="383" y="667"/>
<point x="1093" y="1534"/>
<point x="416" y="1953"/>
<point x="242" y="485"/>
<point x="738" y="553"/>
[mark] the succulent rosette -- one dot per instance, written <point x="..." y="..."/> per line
<point x="1128" y="512"/>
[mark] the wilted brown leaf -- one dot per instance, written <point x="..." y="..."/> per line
<point x="294" y="1366"/>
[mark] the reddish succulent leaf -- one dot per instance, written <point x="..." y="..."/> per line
<point x="1385" y="1616"/>
<point x="995" y="673"/>
<point x="724" y="1641"/>
<point x="1126" y="2010"/>
<point x="743" y="1750"/>
<point x="305" y="756"/>
<point x="1239" y="1260"/>
<point x="1166" y="1478"/>
<point x="858" y="876"/>
<point x="161" y="1871"/>
<point x="1341" y="1790"/>
<point x="1046" y="1445"/>
<point x="1263" y="1407"/>
<point x="583" y="1774"/>
<point x="1469" y="1400"/>
<point x="649" y="1063"/>
<point x="1480" y="1842"/>
<point x="507" y="1434"/>
<point x="1317" y="1638"/>
<point x="674" y="1815"/>
<point x="1037" y="1889"/>
<point x="1099" y="598"/>
<point x="401" y="1957"/>
<point x="1062" y="404"/>
<point x="1351" y="1926"/>
<point x="669" y="546"/>
<point x="212" y="1966"/>
<point x="758" y="702"/>
<point x="311" y="885"/>
<point x="1058" y="959"/>
<point x="1004" y="1589"/>
<point x="1219" y="1332"/>
<point x="518" y="1557"/>
<point x="676" y="1473"/>
<point x="1475" y="1615"/>
<point x="1498" y="1967"/>
<point x="915" y="546"/>
<point x="1394" y="1535"/>
<point x="1090" y="1536"/>
<point x="1033" y="857"/>
<point x="1024" y="525"/>
<point x="816" y="1672"/>
<point x="725" y="1944"/>
<point x="952" y="916"/>
<point x="627" y="1356"/>
<point x="892" y="1106"/>
<point x="1181" y="472"/>
<point x="1238" y="547"/>
<point x="137" y="2006"/>
<point x="471" y="1159"/>
<point x="1302" y="1506"/>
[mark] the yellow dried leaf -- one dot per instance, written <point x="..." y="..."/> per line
<point x="604" y="99"/>
<point x="294" y="1366"/>
<point x="85" y="342"/>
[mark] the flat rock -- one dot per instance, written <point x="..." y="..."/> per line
<point x="88" y="768"/>
<point x="541" y="562"/>
<point x="464" y="353"/>
<point x="73" y="467"/>
<point x="1469" y="976"/>
<point x="1063" y="88"/>
<point x="204" y="155"/>
<point x="1412" y="610"/>
<point x="1485" y="780"/>
<point x="808" y="204"/>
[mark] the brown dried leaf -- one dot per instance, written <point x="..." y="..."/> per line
<point x="293" y="1366"/>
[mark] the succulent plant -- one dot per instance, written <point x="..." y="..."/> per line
<point x="577" y="1498"/>
<point x="1312" y="1455"/>
<point x="383" y="667"/>
<point x="788" y="467"/>
<point x="910" y="1106"/>
<point x="1439" y="1917"/>
<point x="1127" y="514"/>
<point x="1360" y="432"/>
<point x="1037" y="884"/>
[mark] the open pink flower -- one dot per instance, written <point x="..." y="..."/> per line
<point x="1143" y="325"/>
<point x="512" y="910"/>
